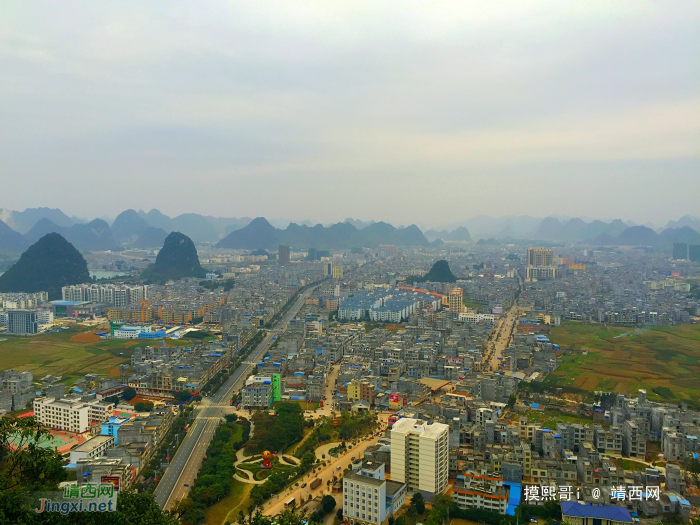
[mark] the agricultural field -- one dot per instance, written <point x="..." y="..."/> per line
<point x="72" y="353"/>
<point x="663" y="360"/>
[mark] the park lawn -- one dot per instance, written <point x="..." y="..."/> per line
<point x="227" y="508"/>
<point x="663" y="360"/>
<point x="60" y="354"/>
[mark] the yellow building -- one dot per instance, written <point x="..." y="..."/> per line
<point x="454" y="300"/>
<point x="540" y="257"/>
<point x="337" y="272"/>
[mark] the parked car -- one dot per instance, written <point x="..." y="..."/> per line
<point x="303" y="485"/>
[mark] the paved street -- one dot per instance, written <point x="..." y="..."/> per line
<point x="188" y="458"/>
<point x="276" y="504"/>
<point x="504" y="330"/>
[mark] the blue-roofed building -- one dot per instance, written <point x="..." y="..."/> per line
<point x="577" y="514"/>
<point x="111" y="427"/>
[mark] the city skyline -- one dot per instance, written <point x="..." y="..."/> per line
<point x="296" y="112"/>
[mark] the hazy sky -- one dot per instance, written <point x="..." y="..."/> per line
<point x="426" y="112"/>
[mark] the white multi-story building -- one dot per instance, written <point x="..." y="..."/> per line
<point x="420" y="455"/>
<point x="368" y="498"/>
<point x="484" y="492"/>
<point x="92" y="448"/>
<point x="44" y="316"/>
<point x="257" y="392"/>
<point x="21" y="300"/>
<point x="473" y="317"/>
<point x="99" y="412"/>
<point x="62" y="414"/>
<point x="117" y="295"/>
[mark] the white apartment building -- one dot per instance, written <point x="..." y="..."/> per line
<point x="117" y="295"/>
<point x="92" y="448"/>
<point x="44" y="316"/>
<point x="257" y="392"/>
<point x="62" y="414"/>
<point x="99" y="412"/>
<point x="21" y="300"/>
<point x="420" y="455"/>
<point x="368" y="498"/>
<point x="473" y="317"/>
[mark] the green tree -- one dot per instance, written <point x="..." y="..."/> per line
<point x="143" y="406"/>
<point x="25" y="467"/>
<point x="327" y="503"/>
<point x="418" y="502"/>
<point x="129" y="393"/>
<point x="692" y="465"/>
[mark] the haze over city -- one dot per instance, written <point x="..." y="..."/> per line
<point x="350" y="263"/>
<point x="319" y="111"/>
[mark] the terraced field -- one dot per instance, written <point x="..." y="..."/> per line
<point x="663" y="360"/>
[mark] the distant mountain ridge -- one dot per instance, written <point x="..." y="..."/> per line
<point x="551" y="229"/>
<point x="200" y="228"/>
<point x="130" y="229"/>
<point x="343" y="235"/>
<point x="91" y="237"/>
<point x="458" y="234"/>
<point x="10" y="240"/>
<point x="23" y="221"/>
<point x="644" y="236"/>
<point x="152" y="228"/>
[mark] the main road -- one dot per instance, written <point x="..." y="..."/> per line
<point x="501" y="338"/>
<point x="183" y="468"/>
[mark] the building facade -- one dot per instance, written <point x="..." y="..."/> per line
<point x="420" y="455"/>
<point x="22" y="322"/>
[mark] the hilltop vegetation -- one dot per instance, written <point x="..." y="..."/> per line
<point x="48" y="265"/>
<point x="177" y="259"/>
<point x="439" y="273"/>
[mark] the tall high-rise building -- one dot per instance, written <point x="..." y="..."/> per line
<point x="313" y="254"/>
<point x="337" y="272"/>
<point x="540" y="257"/>
<point x="694" y="252"/>
<point x="454" y="300"/>
<point x="420" y="455"/>
<point x="540" y="264"/>
<point x="680" y="250"/>
<point x="283" y="254"/>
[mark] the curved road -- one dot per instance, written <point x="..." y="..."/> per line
<point x="185" y="464"/>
